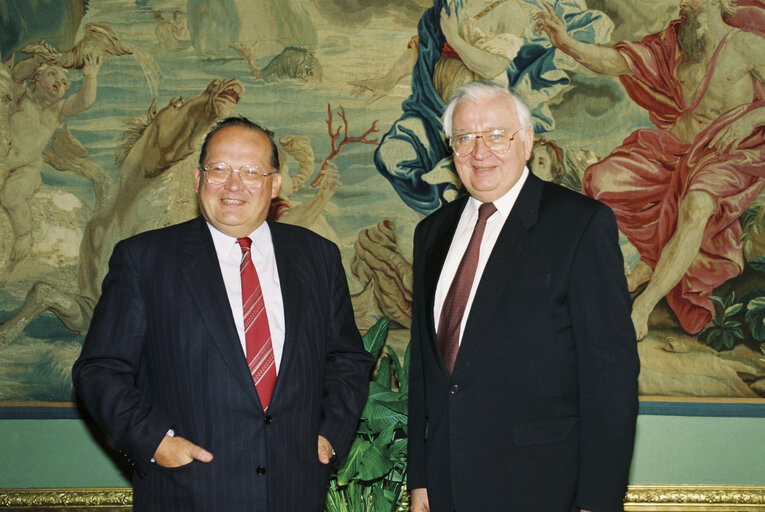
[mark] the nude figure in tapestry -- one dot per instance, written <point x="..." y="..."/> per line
<point x="38" y="113"/>
<point x="171" y="34"/>
<point x="152" y="147"/>
<point x="678" y="190"/>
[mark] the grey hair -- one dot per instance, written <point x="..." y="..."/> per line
<point x="479" y="90"/>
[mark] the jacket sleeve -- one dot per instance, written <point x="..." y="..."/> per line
<point x="608" y="365"/>
<point x="105" y="374"/>
<point x="347" y="363"/>
<point x="416" y="429"/>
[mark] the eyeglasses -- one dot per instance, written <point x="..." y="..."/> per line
<point x="252" y="176"/>
<point x="497" y="140"/>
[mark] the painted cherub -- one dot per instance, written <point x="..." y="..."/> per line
<point x="39" y="111"/>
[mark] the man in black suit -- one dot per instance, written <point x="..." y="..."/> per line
<point x="164" y="368"/>
<point x="523" y="378"/>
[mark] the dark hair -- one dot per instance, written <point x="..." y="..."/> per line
<point x="245" y="123"/>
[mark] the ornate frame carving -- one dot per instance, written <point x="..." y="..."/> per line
<point x="695" y="497"/>
<point x="653" y="498"/>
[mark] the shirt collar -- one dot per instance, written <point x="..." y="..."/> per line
<point x="224" y="243"/>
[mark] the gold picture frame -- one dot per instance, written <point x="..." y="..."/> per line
<point x="654" y="498"/>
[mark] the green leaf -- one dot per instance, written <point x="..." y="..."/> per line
<point x="734" y="328"/>
<point x="711" y="337"/>
<point x="380" y="500"/>
<point x="379" y="392"/>
<point x="403" y="382"/>
<point x="399" y="447"/>
<point x="755" y="316"/>
<point x="758" y="263"/>
<point x="732" y="310"/>
<point x="758" y="291"/>
<point x="349" y="471"/>
<point x="373" y="464"/>
<point x="727" y="340"/>
<point x="383" y="376"/>
<point x="386" y="437"/>
<point x="717" y="300"/>
<point x="380" y="416"/>
<point x="374" y="339"/>
<point x="396" y="363"/>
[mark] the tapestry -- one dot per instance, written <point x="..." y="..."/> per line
<point x="104" y="104"/>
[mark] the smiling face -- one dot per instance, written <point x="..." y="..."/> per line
<point x="487" y="175"/>
<point x="231" y="207"/>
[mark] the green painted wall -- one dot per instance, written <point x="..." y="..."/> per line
<point x="669" y="450"/>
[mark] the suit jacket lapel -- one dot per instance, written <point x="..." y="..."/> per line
<point x="201" y="272"/>
<point x="508" y="251"/>
<point x="434" y="263"/>
<point x="289" y="265"/>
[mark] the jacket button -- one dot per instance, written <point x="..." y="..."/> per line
<point x="267" y="420"/>
<point x="260" y="470"/>
<point x="454" y="389"/>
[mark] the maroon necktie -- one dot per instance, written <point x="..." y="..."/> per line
<point x="456" y="299"/>
<point x="257" y="335"/>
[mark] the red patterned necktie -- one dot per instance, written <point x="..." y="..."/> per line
<point x="257" y="335"/>
<point x="456" y="299"/>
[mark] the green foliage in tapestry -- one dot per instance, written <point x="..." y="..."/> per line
<point x="724" y="331"/>
<point x="755" y="307"/>
<point x="750" y="227"/>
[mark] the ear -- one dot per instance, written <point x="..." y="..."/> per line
<point x="197" y="176"/>
<point x="276" y="185"/>
<point x="528" y="142"/>
<point x="152" y="113"/>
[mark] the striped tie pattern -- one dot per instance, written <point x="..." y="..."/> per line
<point x="260" y="352"/>
<point x="450" y="321"/>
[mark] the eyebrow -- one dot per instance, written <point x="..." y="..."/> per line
<point x="465" y="132"/>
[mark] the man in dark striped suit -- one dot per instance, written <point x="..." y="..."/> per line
<point x="164" y="368"/>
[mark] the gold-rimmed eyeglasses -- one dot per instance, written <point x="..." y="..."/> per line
<point x="253" y="176"/>
<point x="497" y="140"/>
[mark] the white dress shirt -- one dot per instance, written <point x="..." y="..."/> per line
<point x="264" y="259"/>
<point x="460" y="242"/>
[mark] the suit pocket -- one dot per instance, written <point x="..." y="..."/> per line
<point x="547" y="431"/>
<point x="176" y="469"/>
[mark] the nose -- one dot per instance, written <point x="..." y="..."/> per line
<point x="480" y="150"/>
<point x="234" y="181"/>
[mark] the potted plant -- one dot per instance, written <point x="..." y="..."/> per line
<point x="372" y="477"/>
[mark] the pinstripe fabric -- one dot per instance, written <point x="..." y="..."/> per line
<point x="162" y="352"/>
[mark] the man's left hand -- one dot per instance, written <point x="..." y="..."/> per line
<point x="325" y="450"/>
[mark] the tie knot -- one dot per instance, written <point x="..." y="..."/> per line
<point x="486" y="210"/>
<point x="244" y="243"/>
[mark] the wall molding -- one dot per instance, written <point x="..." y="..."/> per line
<point x="652" y="498"/>
<point x="695" y="497"/>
